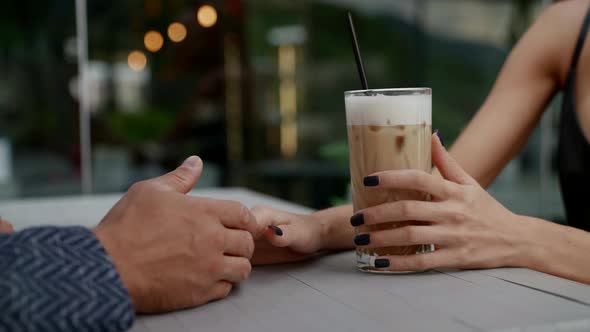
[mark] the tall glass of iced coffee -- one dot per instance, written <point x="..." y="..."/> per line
<point x="388" y="129"/>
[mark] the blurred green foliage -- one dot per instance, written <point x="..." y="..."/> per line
<point x="146" y="125"/>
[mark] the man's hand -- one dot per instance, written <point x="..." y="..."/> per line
<point x="175" y="251"/>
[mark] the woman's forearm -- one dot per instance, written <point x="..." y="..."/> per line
<point x="556" y="249"/>
<point x="337" y="233"/>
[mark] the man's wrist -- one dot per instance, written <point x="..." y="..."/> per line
<point x="101" y="234"/>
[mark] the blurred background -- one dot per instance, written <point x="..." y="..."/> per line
<point x="92" y="103"/>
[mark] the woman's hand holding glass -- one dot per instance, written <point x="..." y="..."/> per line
<point x="468" y="227"/>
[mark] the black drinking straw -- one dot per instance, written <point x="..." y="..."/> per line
<point x="357" y="53"/>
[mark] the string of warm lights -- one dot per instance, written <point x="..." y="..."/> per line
<point x="153" y="40"/>
<point x="177" y="32"/>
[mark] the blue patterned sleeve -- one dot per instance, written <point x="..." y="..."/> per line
<point x="60" y="279"/>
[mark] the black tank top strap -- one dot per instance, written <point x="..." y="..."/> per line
<point x="579" y="46"/>
<point x="573" y="153"/>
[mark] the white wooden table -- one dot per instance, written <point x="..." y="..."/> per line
<point x="328" y="294"/>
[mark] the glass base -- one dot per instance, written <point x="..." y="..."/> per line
<point x="365" y="261"/>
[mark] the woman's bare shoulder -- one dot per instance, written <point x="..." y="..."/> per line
<point x="557" y="28"/>
<point x="568" y="7"/>
<point x="564" y="17"/>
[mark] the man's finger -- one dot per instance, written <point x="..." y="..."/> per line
<point x="232" y="214"/>
<point x="220" y="290"/>
<point x="235" y="269"/>
<point x="448" y="167"/>
<point x="182" y="179"/>
<point x="238" y="243"/>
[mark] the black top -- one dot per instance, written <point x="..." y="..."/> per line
<point x="574" y="149"/>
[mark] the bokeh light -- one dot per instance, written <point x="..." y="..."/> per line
<point x="153" y="41"/>
<point x="176" y="32"/>
<point x="207" y="16"/>
<point x="136" y="60"/>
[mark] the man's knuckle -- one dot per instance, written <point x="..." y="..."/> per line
<point x="215" y="268"/>
<point x="195" y="241"/>
<point x="196" y="296"/>
<point x="208" y="207"/>
<point x="218" y="239"/>
<point x="138" y="187"/>
<point x="244" y="214"/>
<point x="246" y="271"/>
<point x="225" y="290"/>
<point x="249" y="243"/>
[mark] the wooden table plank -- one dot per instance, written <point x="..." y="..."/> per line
<point x="566" y="288"/>
<point x="374" y="295"/>
<point x="283" y="303"/>
<point x="529" y="305"/>
<point x="487" y="305"/>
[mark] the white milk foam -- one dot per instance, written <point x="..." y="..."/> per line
<point x="381" y="110"/>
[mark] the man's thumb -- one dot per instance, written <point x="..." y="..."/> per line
<point x="184" y="178"/>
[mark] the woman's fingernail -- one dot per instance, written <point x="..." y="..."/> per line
<point x="362" y="239"/>
<point x="437" y="133"/>
<point x="381" y="263"/>
<point x="371" y="181"/>
<point x="278" y="231"/>
<point x="357" y="220"/>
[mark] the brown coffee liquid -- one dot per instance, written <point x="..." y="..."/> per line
<point x="380" y="148"/>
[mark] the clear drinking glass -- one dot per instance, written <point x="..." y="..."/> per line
<point x="388" y="129"/>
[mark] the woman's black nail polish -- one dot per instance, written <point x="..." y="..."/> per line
<point x="371" y="181"/>
<point x="381" y="263"/>
<point x="278" y="231"/>
<point x="357" y="220"/>
<point x="437" y="133"/>
<point x="362" y="239"/>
